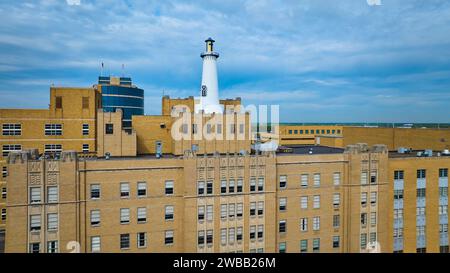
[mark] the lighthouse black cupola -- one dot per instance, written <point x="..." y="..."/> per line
<point x="209" y="43"/>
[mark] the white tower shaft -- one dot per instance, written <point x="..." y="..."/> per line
<point x="209" y="90"/>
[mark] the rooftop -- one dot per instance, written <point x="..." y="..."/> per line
<point x="308" y="149"/>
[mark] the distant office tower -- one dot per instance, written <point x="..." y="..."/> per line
<point x="120" y="93"/>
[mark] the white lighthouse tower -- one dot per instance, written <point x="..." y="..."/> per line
<point x="209" y="90"/>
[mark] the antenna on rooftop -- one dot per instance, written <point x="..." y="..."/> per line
<point x="101" y="70"/>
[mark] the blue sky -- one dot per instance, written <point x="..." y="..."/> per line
<point x="321" y="61"/>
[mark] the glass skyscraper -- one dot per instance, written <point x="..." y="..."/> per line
<point x="120" y="93"/>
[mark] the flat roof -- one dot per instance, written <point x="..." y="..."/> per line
<point x="306" y="149"/>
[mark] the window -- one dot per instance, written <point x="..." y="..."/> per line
<point x="373" y="219"/>
<point x="261" y="184"/>
<point x="398" y="232"/>
<point x="124" y="216"/>
<point x="209" y="187"/>
<point x="336" y="241"/>
<point x="3" y="215"/>
<point x="252" y="208"/>
<point x="239" y="234"/>
<point x="231" y="186"/>
<point x="52" y="194"/>
<point x="443" y="191"/>
<point x="373" y="237"/>
<point x="95" y="191"/>
<point x="398" y="194"/>
<point x="282" y="247"/>
<point x="141" y="189"/>
<point x="58" y="103"/>
<point x="304" y="181"/>
<point x="141" y="239"/>
<point x="223" y="236"/>
<point x="124" y="241"/>
<point x="420" y="230"/>
<point x="252" y="232"/>
<point x="364" y="178"/>
<point x="336" y="179"/>
<point x="95" y="244"/>
<point x="169" y="188"/>
<point x="443" y="210"/>
<point x="85" y="129"/>
<point x="194" y="128"/>
<point x="201" y="238"/>
<point x="443" y="173"/>
<point x="209" y="212"/>
<point x="303" y="224"/>
<point x="252" y="184"/>
<point x="304" y="246"/>
<point x="35" y="195"/>
<point x="142" y="215"/>
<point x="373" y="198"/>
<point x="304" y="202"/>
<point x="420" y="211"/>
<point x="373" y="177"/>
<point x="168" y="237"/>
<point x="316" y="244"/>
<point x="363" y="219"/>
<point x="9" y="148"/>
<point x="421" y="193"/>
<point x="109" y="129"/>
<point x="124" y="190"/>
<point x="223" y="211"/>
<point x="282" y="226"/>
<point x="260" y="208"/>
<point x="443" y="228"/>
<point x="219" y="128"/>
<point x="85" y="102"/>
<point x="260" y="231"/>
<point x="52" y="221"/>
<point x="95" y="217"/>
<point x="398" y="213"/>
<point x="85" y="148"/>
<point x="336" y="221"/>
<point x="52" y="148"/>
<point x="336" y="200"/>
<point x="239" y="209"/>
<point x="282" y="204"/>
<point x="363" y="199"/>
<point x="4" y="193"/>
<point x="201" y="213"/>
<point x="421" y="250"/>
<point x="35" y="222"/>
<point x="316" y="223"/>
<point x="363" y="240"/>
<point x="443" y="249"/>
<point x="223" y="186"/>
<point x="209" y="236"/>
<point x="52" y="246"/>
<point x="283" y="181"/>
<point x="239" y="185"/>
<point x="169" y="213"/>
<point x="4" y="171"/>
<point x="231" y="235"/>
<point x="316" y="178"/>
<point x="421" y="173"/>
<point x="35" y="247"/>
<point x="398" y="175"/>
<point x="53" y="129"/>
<point x="316" y="201"/>
<point x="201" y="188"/>
<point x="241" y="128"/>
<point x="9" y="129"/>
<point x="231" y="210"/>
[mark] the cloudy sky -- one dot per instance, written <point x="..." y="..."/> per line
<point x="321" y="61"/>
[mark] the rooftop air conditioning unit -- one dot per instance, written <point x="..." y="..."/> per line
<point x="428" y="152"/>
